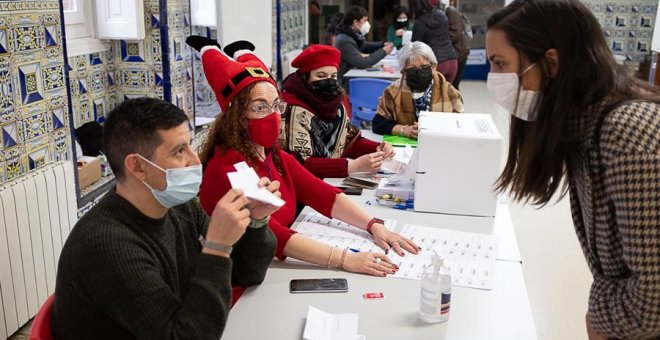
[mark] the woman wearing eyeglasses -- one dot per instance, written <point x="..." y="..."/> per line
<point x="317" y="130"/>
<point x="247" y="131"/>
<point x="421" y="88"/>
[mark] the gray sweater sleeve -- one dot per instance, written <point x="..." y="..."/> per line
<point x="251" y="256"/>
<point x="371" y="46"/>
<point x="252" y="253"/>
<point x="351" y="55"/>
<point x="133" y="292"/>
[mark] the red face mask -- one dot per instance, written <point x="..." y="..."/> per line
<point x="264" y="131"/>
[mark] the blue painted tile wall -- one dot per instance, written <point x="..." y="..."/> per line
<point x="34" y="122"/>
<point x="628" y="25"/>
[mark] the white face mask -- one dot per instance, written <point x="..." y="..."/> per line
<point x="508" y="93"/>
<point x="182" y="184"/>
<point x="364" y="29"/>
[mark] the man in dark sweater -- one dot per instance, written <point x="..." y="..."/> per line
<point x="135" y="266"/>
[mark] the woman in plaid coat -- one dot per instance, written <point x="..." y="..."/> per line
<point x="577" y="113"/>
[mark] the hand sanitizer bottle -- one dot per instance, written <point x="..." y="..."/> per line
<point x="436" y="291"/>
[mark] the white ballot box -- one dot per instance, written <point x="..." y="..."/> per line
<point x="458" y="164"/>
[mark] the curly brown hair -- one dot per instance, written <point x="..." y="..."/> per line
<point x="229" y="131"/>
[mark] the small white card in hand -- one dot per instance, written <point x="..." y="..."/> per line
<point x="321" y="325"/>
<point x="246" y="179"/>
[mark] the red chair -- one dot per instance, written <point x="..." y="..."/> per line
<point x="41" y="327"/>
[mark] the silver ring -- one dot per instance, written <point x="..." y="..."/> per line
<point x="378" y="260"/>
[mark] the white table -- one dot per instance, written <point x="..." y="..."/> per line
<point x="362" y="73"/>
<point x="269" y="311"/>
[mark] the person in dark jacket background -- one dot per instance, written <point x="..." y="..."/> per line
<point x="432" y="28"/>
<point x="355" y="51"/>
<point x="458" y="38"/>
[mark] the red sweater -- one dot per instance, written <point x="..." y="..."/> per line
<point x="296" y="184"/>
<point x="338" y="167"/>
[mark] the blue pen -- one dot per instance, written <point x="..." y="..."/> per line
<point x="354" y="250"/>
<point x="404" y="206"/>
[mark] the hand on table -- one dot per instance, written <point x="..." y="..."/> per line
<point x="390" y="240"/>
<point x="411" y="131"/>
<point x="375" y="264"/>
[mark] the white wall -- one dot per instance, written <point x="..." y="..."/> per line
<point x="247" y="20"/>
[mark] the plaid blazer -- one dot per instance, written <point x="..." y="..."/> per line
<point x="615" y="202"/>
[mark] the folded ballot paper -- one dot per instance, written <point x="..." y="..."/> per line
<point x="246" y="179"/>
<point x="402" y="183"/>
<point x="322" y="325"/>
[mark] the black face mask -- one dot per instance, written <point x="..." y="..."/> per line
<point x="401" y="24"/>
<point x="328" y="87"/>
<point x="419" y="79"/>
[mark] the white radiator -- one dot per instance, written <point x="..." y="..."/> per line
<point x="37" y="211"/>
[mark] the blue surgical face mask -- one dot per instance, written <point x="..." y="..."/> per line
<point x="182" y="184"/>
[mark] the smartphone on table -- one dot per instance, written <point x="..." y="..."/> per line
<point x="350" y="190"/>
<point x="334" y="285"/>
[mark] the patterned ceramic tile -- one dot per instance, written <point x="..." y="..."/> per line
<point x="180" y="56"/>
<point x="35" y="126"/>
<point x="38" y="157"/>
<point x="205" y="102"/>
<point x="627" y="24"/>
<point x="138" y="69"/>
<point x="32" y="85"/>
<point x="6" y="93"/>
<point x="94" y="77"/>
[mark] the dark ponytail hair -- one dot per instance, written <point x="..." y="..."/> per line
<point x="587" y="74"/>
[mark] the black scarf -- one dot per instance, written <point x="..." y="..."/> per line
<point x="359" y="39"/>
<point x="297" y="92"/>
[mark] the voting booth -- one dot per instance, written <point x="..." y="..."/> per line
<point x="458" y="163"/>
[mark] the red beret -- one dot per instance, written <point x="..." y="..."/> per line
<point x="316" y="56"/>
<point x="227" y="77"/>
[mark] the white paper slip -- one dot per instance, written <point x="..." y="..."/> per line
<point x="392" y="165"/>
<point x="314" y="223"/>
<point x="246" y="179"/>
<point x="321" y="325"/>
<point x="469" y="256"/>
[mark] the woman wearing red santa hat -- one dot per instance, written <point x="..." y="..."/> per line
<point x="247" y="131"/>
<point x="317" y="130"/>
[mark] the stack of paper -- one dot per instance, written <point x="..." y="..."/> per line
<point x="469" y="256"/>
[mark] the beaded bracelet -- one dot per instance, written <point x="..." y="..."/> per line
<point x="330" y="257"/>
<point x="343" y="257"/>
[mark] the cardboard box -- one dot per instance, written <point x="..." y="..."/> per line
<point x="459" y="161"/>
<point x="89" y="170"/>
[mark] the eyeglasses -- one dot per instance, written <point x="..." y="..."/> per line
<point x="419" y="68"/>
<point x="263" y="109"/>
